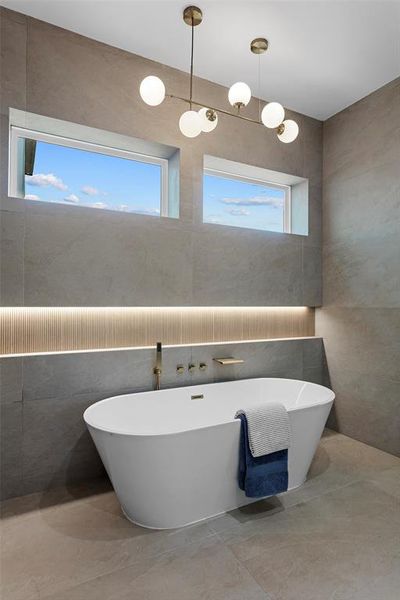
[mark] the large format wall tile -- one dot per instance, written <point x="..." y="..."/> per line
<point x="12" y="233"/>
<point x="312" y="275"/>
<point x="362" y="206"/>
<point x="11" y="380"/>
<point x="363" y="272"/>
<point x="367" y="339"/>
<point x="360" y="318"/>
<point x="367" y="407"/>
<point x="363" y="136"/>
<point x="57" y="449"/>
<point x="89" y="259"/>
<point x="237" y="270"/>
<point x="11" y="439"/>
<point x="13" y="36"/>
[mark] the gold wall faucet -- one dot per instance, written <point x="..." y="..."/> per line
<point x="158" y="368"/>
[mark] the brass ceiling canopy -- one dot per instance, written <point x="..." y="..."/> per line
<point x="192" y="15"/>
<point x="259" y="46"/>
<point x="201" y="117"/>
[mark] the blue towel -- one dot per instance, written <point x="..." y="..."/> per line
<point x="262" y="476"/>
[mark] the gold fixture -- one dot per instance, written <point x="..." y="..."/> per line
<point x="259" y="46"/>
<point x="202" y="366"/>
<point x="229" y="361"/>
<point x="191" y="367"/>
<point x="197" y="397"/>
<point x="205" y="119"/>
<point x="211" y="114"/>
<point x="158" y="368"/>
<point x="192" y="16"/>
<point x="180" y="369"/>
<point x="280" y="129"/>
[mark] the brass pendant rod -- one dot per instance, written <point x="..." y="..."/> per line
<point x="220" y="110"/>
<point x="191" y="65"/>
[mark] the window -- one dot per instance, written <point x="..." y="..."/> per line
<point x="230" y="200"/>
<point x="240" y="195"/>
<point x="48" y="167"/>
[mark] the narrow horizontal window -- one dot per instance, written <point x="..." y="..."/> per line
<point x="239" y="195"/>
<point x="50" y="164"/>
<point x="239" y="202"/>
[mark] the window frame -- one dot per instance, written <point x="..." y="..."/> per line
<point x="17" y="133"/>
<point x="287" y="189"/>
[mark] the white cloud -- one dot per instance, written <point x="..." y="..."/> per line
<point x="215" y="219"/>
<point x="255" y="201"/>
<point x="99" y="205"/>
<point x="72" y="198"/>
<point x="123" y="208"/>
<point x="90" y="191"/>
<point x="147" y="211"/>
<point x="238" y="212"/>
<point x="46" y="180"/>
<point x="31" y="197"/>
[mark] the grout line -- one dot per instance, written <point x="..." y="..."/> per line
<point x="129" y="565"/>
<point x="242" y="564"/>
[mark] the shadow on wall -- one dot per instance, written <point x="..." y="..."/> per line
<point x="332" y="422"/>
<point x="80" y="475"/>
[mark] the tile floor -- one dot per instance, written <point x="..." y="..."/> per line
<point x="336" y="538"/>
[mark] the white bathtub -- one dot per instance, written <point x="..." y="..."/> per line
<point x="173" y="460"/>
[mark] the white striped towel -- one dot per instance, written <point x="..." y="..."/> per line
<point x="268" y="428"/>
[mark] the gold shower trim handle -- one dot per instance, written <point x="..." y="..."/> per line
<point x="229" y="361"/>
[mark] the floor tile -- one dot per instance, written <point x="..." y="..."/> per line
<point x="203" y="570"/>
<point x="56" y="548"/>
<point x="334" y="538"/>
<point x="327" y="546"/>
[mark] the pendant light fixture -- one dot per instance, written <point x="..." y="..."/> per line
<point x="196" y="120"/>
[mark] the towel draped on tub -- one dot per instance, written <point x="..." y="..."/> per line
<point x="265" y="474"/>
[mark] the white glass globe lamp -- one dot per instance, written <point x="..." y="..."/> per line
<point x="209" y="119"/>
<point x="190" y="123"/>
<point x="288" y="131"/>
<point x="272" y="115"/>
<point x="152" y="90"/>
<point x="239" y="94"/>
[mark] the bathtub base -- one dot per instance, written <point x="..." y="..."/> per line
<point x="223" y="512"/>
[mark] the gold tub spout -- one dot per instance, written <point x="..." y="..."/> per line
<point x="229" y="360"/>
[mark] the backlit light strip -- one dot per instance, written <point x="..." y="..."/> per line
<point x="39" y="330"/>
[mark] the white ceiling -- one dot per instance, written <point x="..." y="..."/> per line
<point x="324" y="54"/>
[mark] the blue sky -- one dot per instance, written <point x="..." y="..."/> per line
<point x="233" y="202"/>
<point x="78" y="177"/>
<point x="72" y="176"/>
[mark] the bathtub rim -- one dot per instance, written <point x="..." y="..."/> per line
<point x="204" y="427"/>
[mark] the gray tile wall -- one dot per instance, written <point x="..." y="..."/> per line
<point x="44" y="440"/>
<point x="360" y="318"/>
<point x="58" y="255"/>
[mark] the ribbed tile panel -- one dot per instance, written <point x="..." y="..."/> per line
<point x="49" y="329"/>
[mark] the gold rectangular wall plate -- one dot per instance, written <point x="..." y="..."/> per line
<point x="37" y="330"/>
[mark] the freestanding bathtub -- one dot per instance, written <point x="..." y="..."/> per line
<point x="172" y="455"/>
